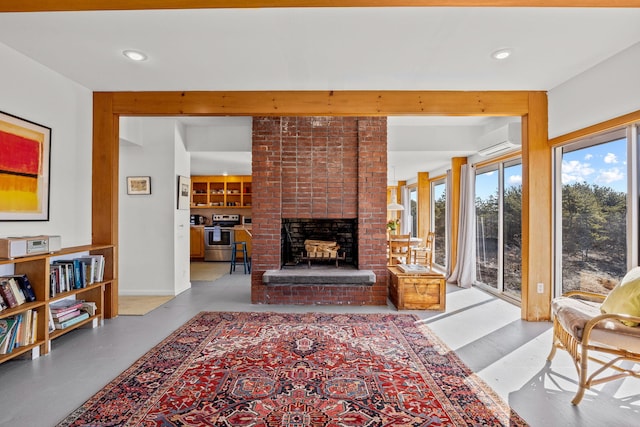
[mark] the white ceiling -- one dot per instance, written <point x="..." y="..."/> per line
<point x="431" y="48"/>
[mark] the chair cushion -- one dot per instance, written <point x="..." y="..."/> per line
<point x="625" y="297"/>
<point x="573" y="314"/>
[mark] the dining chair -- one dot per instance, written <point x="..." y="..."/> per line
<point x="399" y="249"/>
<point x="424" y="254"/>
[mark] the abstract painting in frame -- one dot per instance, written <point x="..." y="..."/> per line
<point x="25" y="150"/>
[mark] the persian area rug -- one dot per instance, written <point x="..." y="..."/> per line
<point x="297" y="370"/>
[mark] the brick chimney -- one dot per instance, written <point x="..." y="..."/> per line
<point x="322" y="168"/>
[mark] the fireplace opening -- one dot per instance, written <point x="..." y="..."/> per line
<point x="319" y="241"/>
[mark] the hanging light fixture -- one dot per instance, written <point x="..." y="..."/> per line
<point x="394" y="205"/>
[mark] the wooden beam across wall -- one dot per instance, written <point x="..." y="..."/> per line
<point x="80" y="5"/>
<point x="323" y="103"/>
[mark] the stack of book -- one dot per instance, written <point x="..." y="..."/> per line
<point x="76" y="273"/>
<point x="18" y="331"/>
<point x="68" y="312"/>
<point x="15" y="290"/>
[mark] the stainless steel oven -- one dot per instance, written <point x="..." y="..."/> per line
<point x="219" y="237"/>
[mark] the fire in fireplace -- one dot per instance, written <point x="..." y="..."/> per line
<point x="298" y="233"/>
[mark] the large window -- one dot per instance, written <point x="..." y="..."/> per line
<point x="413" y="200"/>
<point x="593" y="215"/>
<point x="499" y="228"/>
<point x="439" y="218"/>
<point x="487" y="224"/>
<point x="512" y="229"/>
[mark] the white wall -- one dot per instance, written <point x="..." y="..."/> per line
<point x="182" y="246"/>
<point x="608" y="90"/>
<point x="34" y="92"/>
<point x="153" y="249"/>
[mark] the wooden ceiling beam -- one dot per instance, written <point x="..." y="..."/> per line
<point x="86" y="5"/>
<point x="318" y="103"/>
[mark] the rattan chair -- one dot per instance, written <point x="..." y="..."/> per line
<point x="580" y="328"/>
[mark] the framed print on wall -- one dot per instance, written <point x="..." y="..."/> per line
<point x="25" y="160"/>
<point x="137" y="185"/>
<point x="184" y="189"/>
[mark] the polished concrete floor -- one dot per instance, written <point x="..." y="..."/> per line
<point x="486" y="332"/>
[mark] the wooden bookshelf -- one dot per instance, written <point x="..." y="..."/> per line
<point x="37" y="268"/>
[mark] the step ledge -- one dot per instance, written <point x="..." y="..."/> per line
<point x="314" y="277"/>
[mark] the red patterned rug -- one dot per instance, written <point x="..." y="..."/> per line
<point x="297" y="370"/>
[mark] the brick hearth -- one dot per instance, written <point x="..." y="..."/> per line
<point x="319" y="167"/>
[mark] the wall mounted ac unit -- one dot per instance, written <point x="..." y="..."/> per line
<point x="503" y="139"/>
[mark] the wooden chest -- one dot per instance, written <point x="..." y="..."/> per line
<point x="417" y="291"/>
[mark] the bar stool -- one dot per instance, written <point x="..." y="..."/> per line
<point x="245" y="259"/>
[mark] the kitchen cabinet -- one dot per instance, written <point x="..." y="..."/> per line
<point x="221" y="191"/>
<point x="196" y="241"/>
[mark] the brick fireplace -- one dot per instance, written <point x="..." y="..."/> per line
<point x="320" y="169"/>
<point x="297" y="231"/>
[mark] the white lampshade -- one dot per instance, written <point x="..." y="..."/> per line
<point x="394" y="205"/>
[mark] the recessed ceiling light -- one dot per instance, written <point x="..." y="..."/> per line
<point x="134" y="55"/>
<point x="501" y="54"/>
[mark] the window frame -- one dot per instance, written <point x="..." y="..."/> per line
<point x="499" y="166"/>
<point x="630" y="132"/>
<point x="433" y="183"/>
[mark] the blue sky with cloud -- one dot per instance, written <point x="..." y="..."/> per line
<point x="603" y="164"/>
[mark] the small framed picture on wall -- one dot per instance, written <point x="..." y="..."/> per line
<point x="137" y="185"/>
<point x="184" y="189"/>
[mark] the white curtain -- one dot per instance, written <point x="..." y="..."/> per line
<point x="406" y="220"/>
<point x="464" y="273"/>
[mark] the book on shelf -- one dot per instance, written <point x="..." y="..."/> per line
<point x="58" y="317"/>
<point x="93" y="268"/>
<point x="18" y="331"/>
<point x="62" y="276"/>
<point x="70" y="322"/>
<point x="51" y="325"/>
<point x="89" y="307"/>
<point x="76" y="273"/>
<point x="59" y="312"/>
<point x="17" y="292"/>
<point x="6" y="330"/>
<point x="66" y="275"/>
<point x="34" y="326"/>
<point x="25" y="285"/>
<point x="7" y="293"/>
<point x="65" y="305"/>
